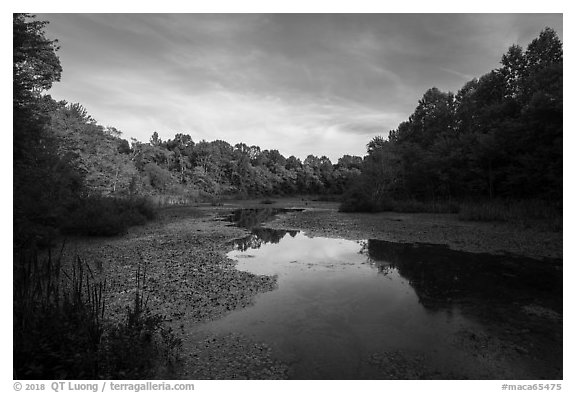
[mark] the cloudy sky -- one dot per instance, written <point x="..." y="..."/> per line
<point x="303" y="84"/>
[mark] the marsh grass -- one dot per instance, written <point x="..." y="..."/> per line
<point x="61" y="330"/>
<point x="530" y="213"/>
<point x="141" y="345"/>
<point x="58" y="317"/>
<point x="526" y="213"/>
<point x="359" y="203"/>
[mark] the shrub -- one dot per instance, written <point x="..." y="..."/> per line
<point x="357" y="200"/>
<point x="102" y="216"/>
<point x="328" y="198"/>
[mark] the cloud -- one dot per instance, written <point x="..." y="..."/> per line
<point x="465" y="77"/>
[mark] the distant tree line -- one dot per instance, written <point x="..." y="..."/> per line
<point x="111" y="166"/>
<point x="498" y="137"/>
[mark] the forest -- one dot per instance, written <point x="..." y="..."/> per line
<point x="498" y="138"/>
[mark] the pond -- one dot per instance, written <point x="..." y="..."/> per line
<point x="371" y="309"/>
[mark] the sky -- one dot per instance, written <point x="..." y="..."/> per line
<point x="322" y="84"/>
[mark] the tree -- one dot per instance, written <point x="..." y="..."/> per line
<point x="350" y="162"/>
<point x="376" y="143"/>
<point x="155" y="139"/>
<point x="99" y="152"/>
<point x="45" y="184"/>
<point x="514" y="71"/>
<point x="36" y="66"/>
<point x="500" y="136"/>
<point x="544" y="51"/>
<point x="293" y="163"/>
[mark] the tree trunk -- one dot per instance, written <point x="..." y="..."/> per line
<point x="115" y="181"/>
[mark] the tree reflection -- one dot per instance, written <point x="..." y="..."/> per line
<point x="251" y="218"/>
<point x="260" y="236"/>
<point x="441" y="276"/>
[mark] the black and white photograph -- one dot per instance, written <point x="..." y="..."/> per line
<point x="287" y="196"/>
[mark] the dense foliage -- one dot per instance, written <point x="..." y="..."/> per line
<point x="111" y="166"/>
<point x="498" y="137"/>
<point x="44" y="182"/>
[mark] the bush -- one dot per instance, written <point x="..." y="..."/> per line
<point x="357" y="200"/>
<point x="102" y="216"/>
<point x="328" y="198"/>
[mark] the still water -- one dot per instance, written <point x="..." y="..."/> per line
<point x="367" y="309"/>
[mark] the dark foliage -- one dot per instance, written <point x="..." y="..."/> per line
<point x="60" y="330"/>
<point x="140" y="346"/>
<point x="58" y="318"/>
<point x="498" y="138"/>
<point x="45" y="183"/>
<point x="106" y="216"/>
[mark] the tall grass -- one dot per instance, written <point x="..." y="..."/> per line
<point x="140" y="345"/>
<point x="358" y="203"/>
<point x="528" y="213"/>
<point x="58" y="318"/>
<point x="61" y="330"/>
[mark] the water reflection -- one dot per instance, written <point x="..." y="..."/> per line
<point x="252" y="218"/>
<point x="441" y="276"/>
<point x="260" y="236"/>
<point x="350" y="309"/>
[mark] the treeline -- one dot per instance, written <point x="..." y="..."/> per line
<point x="94" y="171"/>
<point x="498" y="138"/>
<point x="112" y="166"/>
<point x="218" y="168"/>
